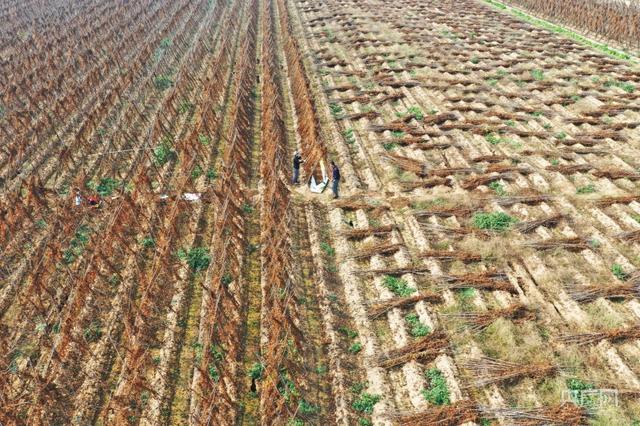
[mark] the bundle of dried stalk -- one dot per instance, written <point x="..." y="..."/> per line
<point x="488" y="371"/>
<point x="334" y="63"/>
<point x="408" y="164"/>
<point x="460" y="232"/>
<point x="485" y="130"/>
<point x="622" y="126"/>
<point x="602" y="134"/>
<point x="488" y="280"/>
<point x="369" y="115"/>
<point x="458" y="413"/>
<point x="626" y="199"/>
<point x="470" y="108"/>
<point x="458" y="126"/>
<point x="377" y="249"/>
<point x="431" y="146"/>
<point x="549" y="154"/>
<point x="531" y="225"/>
<point x="578" y="150"/>
<point x="569" y="169"/>
<point x="341" y="88"/>
<point x="400" y="83"/>
<point x="529" y="200"/>
<point x="614" y="335"/>
<point x="396" y="271"/>
<point x="408" y="117"/>
<point x="479" y="121"/>
<point x="478" y="321"/>
<point x="351" y="99"/>
<point x="378" y="308"/>
<point x="630" y="236"/>
<point x="451" y="171"/>
<point x="582" y="120"/>
<point x="445" y="212"/>
<point x="434" y="86"/>
<point x="611" y="111"/>
<point x="433" y="132"/>
<point x="439" y="118"/>
<point x="627" y="393"/>
<point x="589" y="293"/>
<point x="507" y="116"/>
<point x="425" y="349"/>
<point x="616" y="174"/>
<point x="389" y="98"/>
<point x="372" y="61"/>
<point x="370" y="92"/>
<point x="450" y="256"/>
<point x="383" y="78"/>
<point x="367" y="232"/>
<point x="406" y="140"/>
<point x="394" y="126"/>
<point x="504" y="168"/>
<point x="571" y="244"/>
<point x="357" y="203"/>
<point x="350" y="73"/>
<point x="407" y="186"/>
<point x="529" y="133"/>
<point x="565" y="414"/>
<point x="581" y="141"/>
<point x="493" y="158"/>
<point x="485" y="179"/>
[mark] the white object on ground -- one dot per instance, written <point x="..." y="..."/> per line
<point x="187" y="196"/>
<point x="319" y="187"/>
<point x="191" y="196"/>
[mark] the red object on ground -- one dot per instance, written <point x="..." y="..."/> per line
<point x="93" y="200"/>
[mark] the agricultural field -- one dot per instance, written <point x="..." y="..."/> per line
<point x="481" y="266"/>
<point x="616" y="21"/>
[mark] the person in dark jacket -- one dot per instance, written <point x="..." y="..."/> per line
<point x="336" y="179"/>
<point x="297" y="160"/>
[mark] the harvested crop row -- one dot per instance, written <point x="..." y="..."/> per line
<point x="282" y="341"/>
<point x="215" y="375"/>
<point x="313" y="148"/>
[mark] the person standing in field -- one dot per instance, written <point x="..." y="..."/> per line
<point x="77" y="200"/>
<point x="336" y="179"/>
<point x="297" y="160"/>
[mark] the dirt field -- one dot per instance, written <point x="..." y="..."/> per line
<point x="480" y="266"/>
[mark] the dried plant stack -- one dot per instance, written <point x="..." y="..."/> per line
<point x="566" y="414"/>
<point x="614" y="335"/>
<point x="377" y="249"/>
<point x="478" y="321"/>
<point x="424" y="349"/>
<point x="532" y="225"/>
<point x="381" y="307"/>
<point x="589" y="293"/>
<point x="571" y="244"/>
<point x="458" y="413"/>
<point x="487" y="371"/>
<point x="489" y="280"/>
